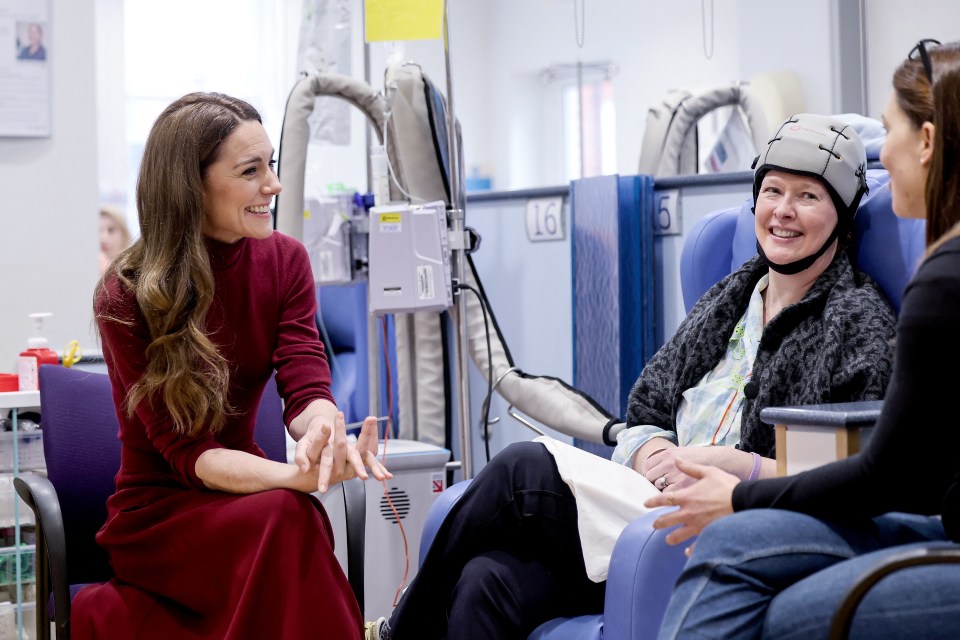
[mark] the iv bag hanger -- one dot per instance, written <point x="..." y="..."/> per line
<point x="581" y="73"/>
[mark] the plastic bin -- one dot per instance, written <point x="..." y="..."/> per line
<point x="8" y="565"/>
<point x="30" y="450"/>
<point x="8" y="621"/>
<point x="7" y="497"/>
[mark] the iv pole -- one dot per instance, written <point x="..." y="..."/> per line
<point x="458" y="245"/>
<point x="373" y="336"/>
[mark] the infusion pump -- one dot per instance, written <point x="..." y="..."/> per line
<point x="409" y="258"/>
<point x="403" y="250"/>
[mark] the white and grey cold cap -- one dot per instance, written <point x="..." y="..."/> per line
<point x="823" y="147"/>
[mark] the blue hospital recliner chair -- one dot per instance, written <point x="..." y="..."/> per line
<point x="643" y="567"/>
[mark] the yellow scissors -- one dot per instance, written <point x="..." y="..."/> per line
<point x="72" y="355"/>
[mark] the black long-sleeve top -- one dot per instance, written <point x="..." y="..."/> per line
<point x="912" y="461"/>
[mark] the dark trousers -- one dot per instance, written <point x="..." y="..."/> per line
<point x="506" y="558"/>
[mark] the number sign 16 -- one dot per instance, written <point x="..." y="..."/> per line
<point x="545" y="219"/>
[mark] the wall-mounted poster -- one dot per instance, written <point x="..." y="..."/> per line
<point x="25" y="54"/>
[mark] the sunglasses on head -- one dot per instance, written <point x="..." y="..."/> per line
<point x="920" y="50"/>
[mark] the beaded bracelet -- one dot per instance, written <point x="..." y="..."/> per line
<point x="755" y="473"/>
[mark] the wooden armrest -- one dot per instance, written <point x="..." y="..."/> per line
<point x="811" y="435"/>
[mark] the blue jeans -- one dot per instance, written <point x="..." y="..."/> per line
<point x="778" y="574"/>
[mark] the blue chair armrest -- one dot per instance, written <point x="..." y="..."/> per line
<point x="643" y="570"/>
<point x="589" y="627"/>
<point x="438" y="511"/>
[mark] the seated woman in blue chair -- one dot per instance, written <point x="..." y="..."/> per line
<point x="208" y="538"/>
<point x="532" y="535"/>
<point x="781" y="572"/>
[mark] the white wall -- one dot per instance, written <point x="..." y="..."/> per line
<point x="111" y="102"/>
<point x="893" y="28"/>
<point x="48" y="228"/>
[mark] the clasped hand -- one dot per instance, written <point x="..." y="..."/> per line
<point x="663" y="464"/>
<point x="326" y="448"/>
<point x="709" y="496"/>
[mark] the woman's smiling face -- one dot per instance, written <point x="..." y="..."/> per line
<point x="794" y="216"/>
<point x="239" y="186"/>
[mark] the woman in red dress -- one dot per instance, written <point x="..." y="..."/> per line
<point x="206" y="536"/>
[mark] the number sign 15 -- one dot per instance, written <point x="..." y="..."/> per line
<point x="545" y="219"/>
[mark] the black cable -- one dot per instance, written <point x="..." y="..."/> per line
<point x="485" y="411"/>
<point x="390" y="428"/>
<point x="445" y="328"/>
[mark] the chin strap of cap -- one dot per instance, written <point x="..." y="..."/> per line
<point x="797" y="266"/>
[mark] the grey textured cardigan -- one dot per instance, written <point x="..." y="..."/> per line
<point x="835" y="345"/>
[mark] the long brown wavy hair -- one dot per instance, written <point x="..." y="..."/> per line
<point x="168" y="268"/>
<point x="937" y="102"/>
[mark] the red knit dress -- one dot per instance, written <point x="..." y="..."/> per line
<point x="191" y="562"/>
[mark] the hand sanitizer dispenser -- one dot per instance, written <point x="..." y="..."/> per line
<point x="37" y="353"/>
